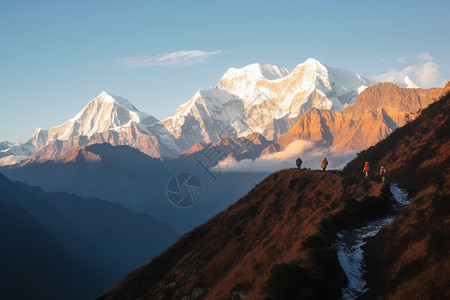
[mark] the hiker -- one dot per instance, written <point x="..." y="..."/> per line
<point x="299" y="162"/>
<point x="366" y="169"/>
<point x="324" y="163"/>
<point x="383" y="173"/>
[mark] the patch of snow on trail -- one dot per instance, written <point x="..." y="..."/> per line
<point x="349" y="242"/>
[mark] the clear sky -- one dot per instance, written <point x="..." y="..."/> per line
<point x="55" y="56"/>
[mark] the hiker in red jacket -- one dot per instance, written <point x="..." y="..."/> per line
<point x="383" y="173"/>
<point x="366" y="169"/>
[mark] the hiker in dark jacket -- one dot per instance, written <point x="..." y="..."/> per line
<point x="299" y="162"/>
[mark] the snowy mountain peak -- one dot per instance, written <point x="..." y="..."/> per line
<point x="256" y="72"/>
<point x="409" y="83"/>
<point x="37" y="131"/>
<point x="405" y="82"/>
<point x="114" y="110"/>
<point x="314" y="63"/>
<point x="103" y="113"/>
<point x="104" y="97"/>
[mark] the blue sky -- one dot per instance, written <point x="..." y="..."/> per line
<point x="55" y="56"/>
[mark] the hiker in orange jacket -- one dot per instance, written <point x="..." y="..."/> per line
<point x="324" y="163"/>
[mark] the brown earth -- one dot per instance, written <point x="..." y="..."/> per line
<point x="233" y="253"/>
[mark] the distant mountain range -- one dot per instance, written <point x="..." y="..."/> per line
<point x="254" y="99"/>
<point x="262" y="99"/>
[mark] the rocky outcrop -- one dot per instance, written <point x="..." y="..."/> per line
<point x="377" y="112"/>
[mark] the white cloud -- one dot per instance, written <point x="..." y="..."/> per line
<point x="424" y="56"/>
<point x="425" y="73"/>
<point x="184" y="58"/>
<point x="307" y="150"/>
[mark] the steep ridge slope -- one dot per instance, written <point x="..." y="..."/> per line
<point x="410" y="258"/>
<point x="378" y="111"/>
<point x="233" y="253"/>
<point x="92" y="236"/>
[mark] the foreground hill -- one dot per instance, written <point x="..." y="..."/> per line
<point x="278" y="239"/>
<point x="233" y="253"/>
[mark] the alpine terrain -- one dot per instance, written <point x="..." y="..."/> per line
<point x="278" y="240"/>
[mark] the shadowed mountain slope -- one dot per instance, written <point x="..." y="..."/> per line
<point x="139" y="182"/>
<point x="62" y="246"/>
<point x="32" y="257"/>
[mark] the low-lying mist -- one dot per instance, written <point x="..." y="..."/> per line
<point x="311" y="154"/>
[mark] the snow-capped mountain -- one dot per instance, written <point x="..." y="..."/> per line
<point x="11" y="153"/>
<point x="106" y="118"/>
<point x="407" y="83"/>
<point x="103" y="113"/>
<point x="289" y="89"/>
<point x="250" y="99"/>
